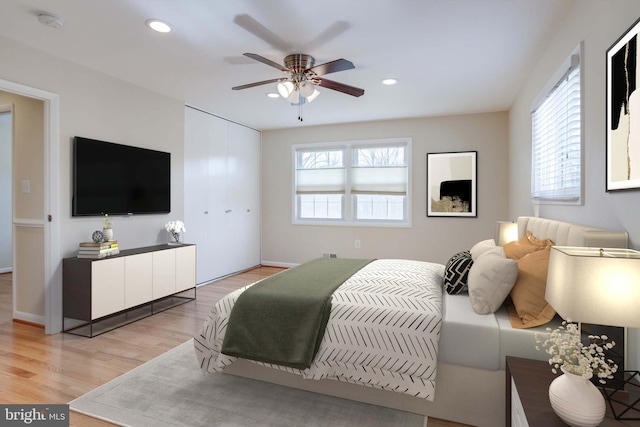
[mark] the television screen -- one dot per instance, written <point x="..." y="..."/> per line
<point x="118" y="179"/>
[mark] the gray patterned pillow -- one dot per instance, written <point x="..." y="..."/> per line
<point x="456" y="273"/>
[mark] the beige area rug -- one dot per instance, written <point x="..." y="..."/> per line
<point x="170" y="390"/>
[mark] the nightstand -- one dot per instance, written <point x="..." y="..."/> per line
<point x="527" y="385"/>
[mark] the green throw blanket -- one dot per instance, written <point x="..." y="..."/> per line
<point x="281" y="319"/>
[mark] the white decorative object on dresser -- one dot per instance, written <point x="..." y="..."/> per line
<point x="102" y="294"/>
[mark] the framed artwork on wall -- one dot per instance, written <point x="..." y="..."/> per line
<point x="452" y="184"/>
<point x="623" y="113"/>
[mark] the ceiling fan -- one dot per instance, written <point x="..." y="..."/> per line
<point x="299" y="86"/>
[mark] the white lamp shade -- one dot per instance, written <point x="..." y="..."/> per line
<point x="591" y="285"/>
<point x="294" y="97"/>
<point x="313" y="96"/>
<point x="285" y="89"/>
<point x="505" y="232"/>
<point x="306" y="89"/>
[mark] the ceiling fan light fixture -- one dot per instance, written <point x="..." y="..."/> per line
<point x="306" y="89"/>
<point x="273" y="95"/>
<point x="313" y="96"/>
<point x="294" y="97"/>
<point x="285" y="89"/>
<point x="389" y="81"/>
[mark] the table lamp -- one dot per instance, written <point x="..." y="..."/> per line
<point x="597" y="286"/>
<point x="506" y="232"/>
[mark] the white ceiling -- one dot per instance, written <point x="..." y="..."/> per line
<point x="449" y="56"/>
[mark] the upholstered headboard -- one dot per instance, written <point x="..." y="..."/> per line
<point x="570" y="234"/>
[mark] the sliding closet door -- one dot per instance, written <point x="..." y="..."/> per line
<point x="222" y="194"/>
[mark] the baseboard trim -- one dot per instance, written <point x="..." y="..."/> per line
<point x="277" y="264"/>
<point x="32" y="319"/>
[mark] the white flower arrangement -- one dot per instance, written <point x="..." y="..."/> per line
<point x="175" y="228"/>
<point x="568" y="352"/>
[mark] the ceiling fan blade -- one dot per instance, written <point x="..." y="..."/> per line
<point x="341" y="87"/>
<point x="333" y="31"/>
<point x="281" y="79"/>
<point x="257" y="29"/>
<point x="332" y="67"/>
<point x="265" y="61"/>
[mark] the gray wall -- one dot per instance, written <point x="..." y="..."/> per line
<point x="430" y="238"/>
<point x="598" y="24"/>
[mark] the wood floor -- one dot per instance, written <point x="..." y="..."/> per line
<point x="40" y="368"/>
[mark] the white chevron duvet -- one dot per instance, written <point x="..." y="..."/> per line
<point x="383" y="330"/>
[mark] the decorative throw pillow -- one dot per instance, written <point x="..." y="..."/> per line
<point x="491" y="278"/>
<point x="456" y="273"/>
<point x="525" y="245"/>
<point x="481" y="247"/>
<point x="529" y="306"/>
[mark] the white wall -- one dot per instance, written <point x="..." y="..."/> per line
<point x="598" y="24"/>
<point x="97" y="106"/>
<point x="285" y="243"/>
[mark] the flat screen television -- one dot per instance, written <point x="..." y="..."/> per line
<point x="118" y="179"/>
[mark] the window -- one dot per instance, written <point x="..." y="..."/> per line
<point x="557" y="140"/>
<point x="358" y="183"/>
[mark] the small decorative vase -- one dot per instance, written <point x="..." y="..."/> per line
<point x="576" y="400"/>
<point x="107" y="234"/>
<point x="176" y="239"/>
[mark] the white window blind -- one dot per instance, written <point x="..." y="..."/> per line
<point x="556" y="140"/>
<point x="360" y="182"/>
<point x="320" y="172"/>
<point x="379" y="170"/>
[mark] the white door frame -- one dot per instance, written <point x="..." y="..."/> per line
<point x="51" y="220"/>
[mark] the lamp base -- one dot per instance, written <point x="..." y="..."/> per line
<point x="625" y="398"/>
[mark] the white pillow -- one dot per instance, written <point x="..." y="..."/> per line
<point x="482" y="247"/>
<point x="491" y="278"/>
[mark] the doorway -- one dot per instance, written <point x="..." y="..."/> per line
<point x="6" y="233"/>
<point x="46" y="225"/>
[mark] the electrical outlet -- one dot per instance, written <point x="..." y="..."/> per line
<point x="357" y="244"/>
<point x="26" y="186"/>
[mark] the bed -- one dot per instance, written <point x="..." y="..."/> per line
<point x="454" y="362"/>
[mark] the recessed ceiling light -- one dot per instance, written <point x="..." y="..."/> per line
<point x="389" y="82"/>
<point x="157" y="25"/>
<point x="273" y="95"/>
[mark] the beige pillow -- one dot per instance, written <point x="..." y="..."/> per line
<point x="481" y="247"/>
<point x="525" y="245"/>
<point x="529" y="306"/>
<point x="491" y="278"/>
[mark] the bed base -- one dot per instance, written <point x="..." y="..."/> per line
<point x="463" y="394"/>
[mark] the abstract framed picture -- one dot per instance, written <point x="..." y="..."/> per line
<point x="623" y="113"/>
<point x="452" y="184"/>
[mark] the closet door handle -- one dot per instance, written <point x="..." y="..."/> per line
<point x="227" y="211"/>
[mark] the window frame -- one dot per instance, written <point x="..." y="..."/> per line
<point x="348" y="206"/>
<point x="551" y="85"/>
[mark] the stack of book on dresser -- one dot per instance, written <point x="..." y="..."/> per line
<point x="98" y="250"/>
